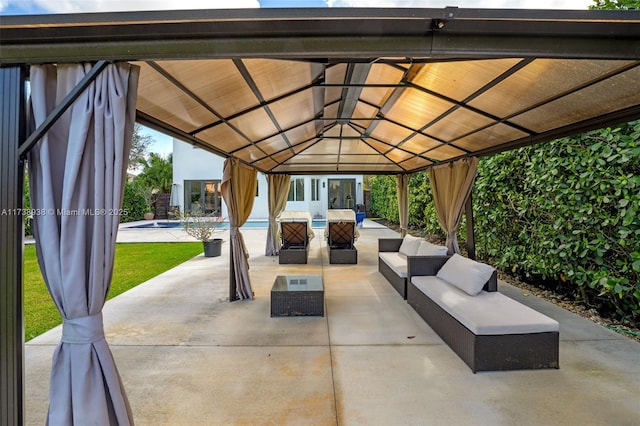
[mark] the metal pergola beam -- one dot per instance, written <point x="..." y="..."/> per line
<point x="320" y="33"/>
<point x="12" y="131"/>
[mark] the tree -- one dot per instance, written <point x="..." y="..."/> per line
<point x="139" y="146"/>
<point x="157" y="172"/>
<point x="615" y="5"/>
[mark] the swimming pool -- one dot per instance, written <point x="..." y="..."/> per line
<point x="254" y="224"/>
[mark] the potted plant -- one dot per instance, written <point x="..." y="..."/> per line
<point x="203" y="226"/>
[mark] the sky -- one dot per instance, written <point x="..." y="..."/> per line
<point x="22" y="7"/>
<point x="163" y="144"/>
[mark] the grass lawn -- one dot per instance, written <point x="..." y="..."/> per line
<point x="135" y="263"/>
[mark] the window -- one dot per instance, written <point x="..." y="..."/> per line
<point x="296" y="190"/>
<point x="315" y="189"/>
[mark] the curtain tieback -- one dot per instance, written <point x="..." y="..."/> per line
<point x="83" y="330"/>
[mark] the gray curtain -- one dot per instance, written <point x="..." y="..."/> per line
<point x="239" y="184"/>
<point x="77" y="174"/>
<point x="278" y="188"/>
<point x="402" y="189"/>
<point x="451" y="185"/>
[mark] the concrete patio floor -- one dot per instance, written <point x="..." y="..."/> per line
<point x="187" y="356"/>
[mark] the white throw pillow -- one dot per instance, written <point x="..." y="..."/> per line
<point x="428" y="249"/>
<point x="409" y="246"/>
<point x="466" y="274"/>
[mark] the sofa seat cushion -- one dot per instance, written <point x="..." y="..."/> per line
<point x="396" y="261"/>
<point x="488" y="313"/>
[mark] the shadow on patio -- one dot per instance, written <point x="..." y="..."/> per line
<point x="188" y="356"/>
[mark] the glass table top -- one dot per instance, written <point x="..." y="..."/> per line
<point x="298" y="283"/>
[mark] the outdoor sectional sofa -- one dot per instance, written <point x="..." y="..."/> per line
<point x="489" y="331"/>
<point x="396" y="257"/>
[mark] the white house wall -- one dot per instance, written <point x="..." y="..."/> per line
<point x="192" y="163"/>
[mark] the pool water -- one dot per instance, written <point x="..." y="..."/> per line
<point x="255" y="224"/>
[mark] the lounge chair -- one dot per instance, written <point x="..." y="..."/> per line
<point x="295" y="242"/>
<point x="295" y="234"/>
<point x="341" y="233"/>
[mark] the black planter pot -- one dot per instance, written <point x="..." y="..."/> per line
<point x="213" y="248"/>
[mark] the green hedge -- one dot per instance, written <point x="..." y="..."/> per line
<point x="567" y="212"/>
<point x="563" y="214"/>
<point x="133" y="203"/>
<point x="422" y="216"/>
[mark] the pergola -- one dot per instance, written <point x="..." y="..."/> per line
<point x="313" y="91"/>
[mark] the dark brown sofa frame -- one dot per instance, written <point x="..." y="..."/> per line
<point x="397" y="282"/>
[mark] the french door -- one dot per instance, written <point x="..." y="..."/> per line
<point x="342" y="193"/>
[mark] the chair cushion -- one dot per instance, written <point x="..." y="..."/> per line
<point x="294" y="233"/>
<point x="341" y="234"/>
<point x="488" y="313"/>
<point x="466" y="274"/>
<point x="410" y="244"/>
<point x="428" y="249"/>
<point x="396" y="261"/>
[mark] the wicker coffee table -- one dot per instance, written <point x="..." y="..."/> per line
<point x="297" y="296"/>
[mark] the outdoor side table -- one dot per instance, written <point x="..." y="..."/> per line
<point x="297" y="296"/>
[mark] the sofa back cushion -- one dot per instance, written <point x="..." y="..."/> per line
<point x="466" y="274"/>
<point x="410" y="245"/>
<point x="428" y="249"/>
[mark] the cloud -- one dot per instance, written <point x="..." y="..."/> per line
<point x="81" y="6"/>
<point x="475" y="4"/>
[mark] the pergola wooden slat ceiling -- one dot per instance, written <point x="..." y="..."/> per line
<point x="308" y="91"/>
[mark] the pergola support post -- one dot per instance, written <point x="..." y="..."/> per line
<point x="12" y="131"/>
<point x="471" y="239"/>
